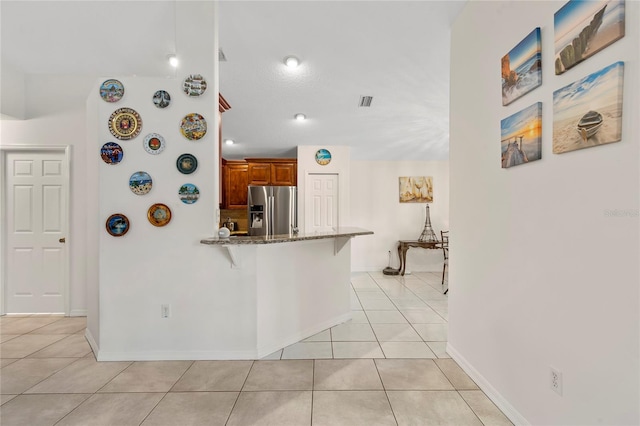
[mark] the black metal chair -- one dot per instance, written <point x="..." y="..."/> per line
<point x="444" y="238"/>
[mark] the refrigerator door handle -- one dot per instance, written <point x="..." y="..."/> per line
<point x="272" y="201"/>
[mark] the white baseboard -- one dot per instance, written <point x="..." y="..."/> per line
<point x="78" y="313"/>
<point x="92" y="342"/>
<point x="175" y="356"/>
<point x="504" y="405"/>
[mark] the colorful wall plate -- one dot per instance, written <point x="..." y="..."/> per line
<point x="187" y="164"/>
<point x="117" y="225"/>
<point x="161" y="99"/>
<point x="323" y="157"/>
<point x="125" y="124"/>
<point x="154" y="143"/>
<point x="111" y="91"/>
<point x="194" y="85"/>
<point x="159" y="215"/>
<point x="140" y="183"/>
<point x="193" y="126"/>
<point x="111" y="153"/>
<point x="189" y="193"/>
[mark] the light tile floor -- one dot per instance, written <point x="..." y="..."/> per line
<point x="387" y="366"/>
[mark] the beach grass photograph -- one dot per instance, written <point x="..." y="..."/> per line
<point x="521" y="68"/>
<point x="521" y="136"/>
<point x="588" y="112"/>
<point x="583" y="28"/>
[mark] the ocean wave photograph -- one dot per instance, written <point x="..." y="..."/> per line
<point x="522" y="68"/>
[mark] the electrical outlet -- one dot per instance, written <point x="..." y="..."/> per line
<point x="555" y="381"/>
<point x="165" y="311"/>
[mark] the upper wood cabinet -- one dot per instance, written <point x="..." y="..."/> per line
<point x="236" y="180"/>
<point x="273" y="171"/>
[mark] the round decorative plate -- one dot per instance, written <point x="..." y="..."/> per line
<point x="117" y="224"/>
<point x="125" y="123"/>
<point x="159" y="215"/>
<point x="189" y="193"/>
<point x="323" y="157"/>
<point x="140" y="183"/>
<point x="161" y="99"/>
<point x="193" y="126"/>
<point x="111" y="91"/>
<point x="194" y="85"/>
<point x="111" y="153"/>
<point x="187" y="164"/>
<point x="154" y="143"/>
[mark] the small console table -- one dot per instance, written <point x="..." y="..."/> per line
<point x="404" y="245"/>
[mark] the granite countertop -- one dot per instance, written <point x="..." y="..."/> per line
<point x="285" y="238"/>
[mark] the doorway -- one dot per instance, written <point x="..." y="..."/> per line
<point x="321" y="202"/>
<point x="35" y="226"/>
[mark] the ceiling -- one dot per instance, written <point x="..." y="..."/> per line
<point x="395" y="51"/>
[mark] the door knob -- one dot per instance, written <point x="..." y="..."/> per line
<point x="62" y="240"/>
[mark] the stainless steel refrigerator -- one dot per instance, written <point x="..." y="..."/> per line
<point x="272" y="210"/>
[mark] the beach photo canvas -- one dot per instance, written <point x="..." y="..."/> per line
<point x="521" y="135"/>
<point x="588" y="112"/>
<point x="522" y="68"/>
<point x="583" y="28"/>
<point x="416" y="189"/>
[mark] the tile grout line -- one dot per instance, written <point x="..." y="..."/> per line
<point x="240" y="392"/>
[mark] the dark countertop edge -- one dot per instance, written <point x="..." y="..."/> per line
<point x="343" y="232"/>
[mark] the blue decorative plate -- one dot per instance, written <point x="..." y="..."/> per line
<point x="323" y="157"/>
<point x="187" y="164"/>
<point x="111" y="153"/>
<point x="189" y="193"/>
<point x="117" y="225"/>
<point x="111" y="90"/>
<point x="140" y="183"/>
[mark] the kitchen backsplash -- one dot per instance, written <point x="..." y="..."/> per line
<point x="236" y="215"/>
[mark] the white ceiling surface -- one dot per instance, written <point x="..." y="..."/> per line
<point x="395" y="51"/>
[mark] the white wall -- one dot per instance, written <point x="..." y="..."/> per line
<point x="375" y="205"/>
<point x="541" y="274"/>
<point x="12" y="87"/>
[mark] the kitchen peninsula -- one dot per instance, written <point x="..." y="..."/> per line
<point x="298" y="283"/>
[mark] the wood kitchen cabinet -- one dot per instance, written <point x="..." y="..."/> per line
<point x="236" y="180"/>
<point x="273" y="171"/>
<point x="238" y="174"/>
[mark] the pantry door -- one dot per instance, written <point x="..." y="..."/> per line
<point x="36" y="223"/>
<point x="321" y="207"/>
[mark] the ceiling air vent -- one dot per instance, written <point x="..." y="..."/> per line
<point x="221" y="57"/>
<point x="365" y="101"/>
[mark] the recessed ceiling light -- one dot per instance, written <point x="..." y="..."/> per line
<point x="173" y="60"/>
<point x="300" y="117"/>
<point x="291" y="61"/>
<point x="229" y="141"/>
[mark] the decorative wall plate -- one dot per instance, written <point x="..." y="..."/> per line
<point x="117" y="225"/>
<point x="187" y="164"/>
<point x="323" y="157"/>
<point x="111" y="153"/>
<point x="125" y="123"/>
<point x="161" y="99"/>
<point x="159" y="215"/>
<point x="140" y="183"/>
<point x="193" y="126"/>
<point x="111" y="90"/>
<point x="194" y="85"/>
<point x="154" y="143"/>
<point x="189" y="193"/>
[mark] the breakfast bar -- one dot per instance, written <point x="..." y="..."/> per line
<point x="299" y="283"/>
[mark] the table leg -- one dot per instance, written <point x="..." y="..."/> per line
<point x="402" y="254"/>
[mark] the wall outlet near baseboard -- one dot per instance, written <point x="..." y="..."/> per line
<point x="165" y="311"/>
<point x="555" y="380"/>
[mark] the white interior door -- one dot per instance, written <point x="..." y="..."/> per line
<point x="35" y="193"/>
<point x="321" y="206"/>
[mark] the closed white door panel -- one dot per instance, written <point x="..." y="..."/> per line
<point x="321" y="208"/>
<point x="36" y="220"/>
